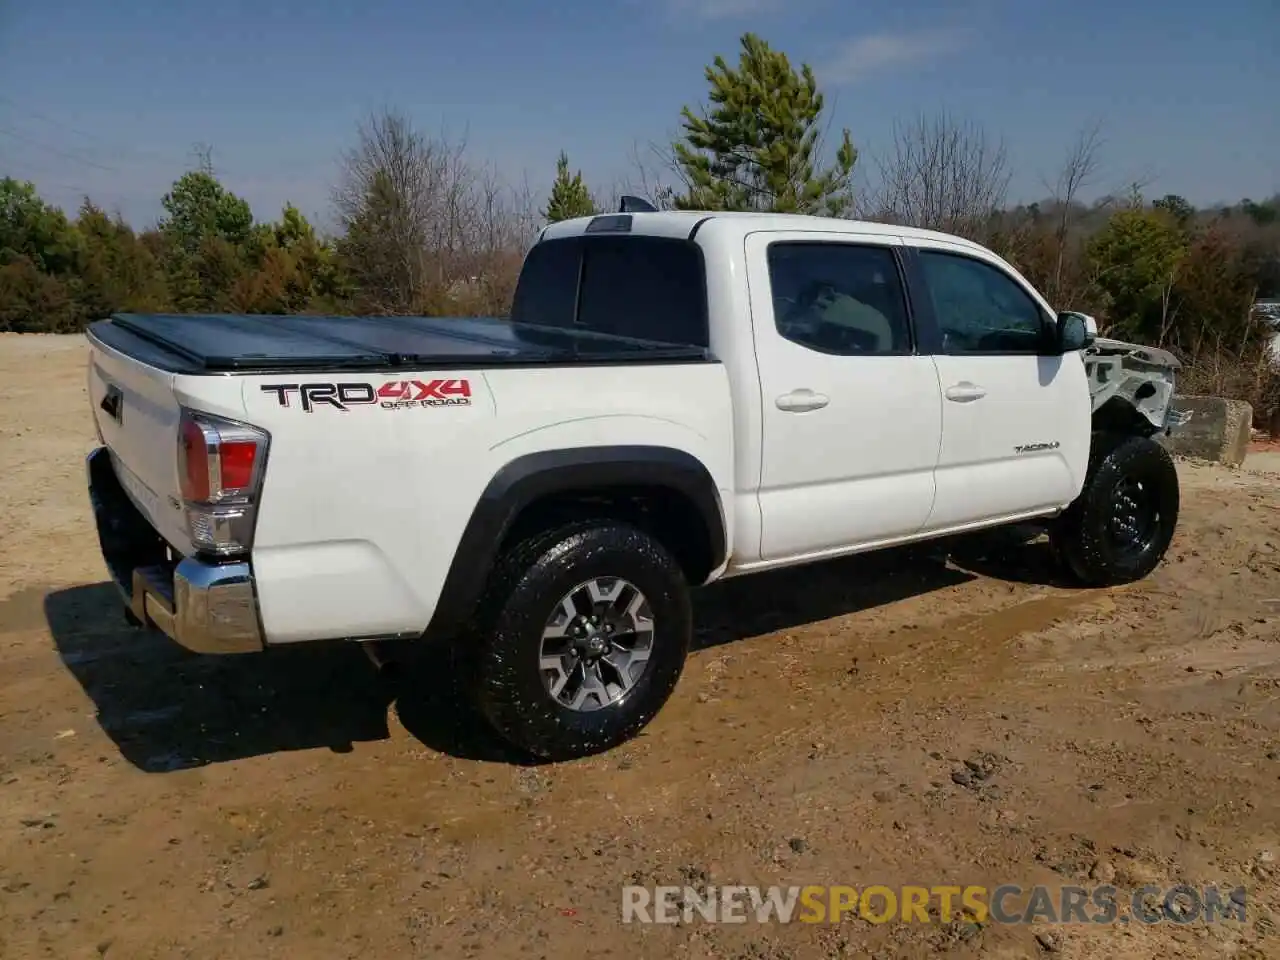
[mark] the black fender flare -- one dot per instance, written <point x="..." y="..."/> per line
<point x="533" y="476"/>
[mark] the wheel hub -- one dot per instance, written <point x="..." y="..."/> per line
<point x="596" y="644"/>
<point x="1135" y="516"/>
<point x="591" y="638"/>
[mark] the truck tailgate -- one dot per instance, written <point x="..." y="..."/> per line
<point x="137" y="413"/>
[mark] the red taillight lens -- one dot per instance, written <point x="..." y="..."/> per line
<point x="236" y="459"/>
<point x="220" y="466"/>
<point x="193" y="461"/>
<point x="217" y="458"/>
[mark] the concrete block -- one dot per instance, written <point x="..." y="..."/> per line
<point x="1218" y="431"/>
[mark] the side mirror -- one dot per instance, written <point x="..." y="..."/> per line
<point x="1075" y="331"/>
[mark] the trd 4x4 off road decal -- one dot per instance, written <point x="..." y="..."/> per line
<point x="433" y="393"/>
<point x="392" y="395"/>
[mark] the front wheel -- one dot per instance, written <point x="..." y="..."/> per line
<point x="1121" y="525"/>
<point x="582" y="636"/>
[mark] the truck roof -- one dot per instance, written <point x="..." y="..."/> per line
<point x="682" y="223"/>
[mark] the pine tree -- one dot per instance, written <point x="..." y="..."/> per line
<point x="755" y="149"/>
<point x="569" y="195"/>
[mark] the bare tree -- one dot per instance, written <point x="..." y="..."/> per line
<point x="387" y="199"/>
<point x="1078" y="171"/>
<point x="505" y="222"/>
<point x="943" y="174"/>
<point x="1168" y="305"/>
<point x="425" y="229"/>
<point x="656" y="174"/>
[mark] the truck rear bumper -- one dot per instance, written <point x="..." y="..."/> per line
<point x="205" y="607"/>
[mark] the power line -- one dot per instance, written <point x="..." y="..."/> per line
<point x="65" y="187"/>
<point x="84" y="135"/>
<point x="57" y="152"/>
<point x="120" y="151"/>
<point x="74" y="194"/>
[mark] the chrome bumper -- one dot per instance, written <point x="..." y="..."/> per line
<point x="205" y="607"/>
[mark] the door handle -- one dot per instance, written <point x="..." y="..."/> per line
<point x="800" y="401"/>
<point x="964" y="392"/>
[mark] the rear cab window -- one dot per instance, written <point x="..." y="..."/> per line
<point x="649" y="288"/>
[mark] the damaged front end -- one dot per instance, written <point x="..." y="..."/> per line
<point x="1127" y="378"/>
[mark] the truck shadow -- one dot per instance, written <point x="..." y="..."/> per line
<point x="745" y="607"/>
<point x="1018" y="553"/>
<point x="740" y="608"/>
<point x="167" y="709"/>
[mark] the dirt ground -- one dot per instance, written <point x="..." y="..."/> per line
<point x="944" y="715"/>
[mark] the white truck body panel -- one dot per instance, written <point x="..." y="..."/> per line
<point x="859" y="468"/>
<point x="982" y="471"/>
<point x="362" y="511"/>
<point x="144" y="461"/>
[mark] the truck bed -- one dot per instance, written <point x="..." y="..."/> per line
<point x="247" y="343"/>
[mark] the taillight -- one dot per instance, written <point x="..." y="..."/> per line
<point x="193" y="461"/>
<point x="220" y="466"/>
<point x="236" y="458"/>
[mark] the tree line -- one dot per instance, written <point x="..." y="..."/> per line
<point x="421" y="227"/>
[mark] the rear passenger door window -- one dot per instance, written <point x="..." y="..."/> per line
<point x="979" y="308"/>
<point x="844" y="299"/>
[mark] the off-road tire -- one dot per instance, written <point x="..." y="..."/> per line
<point x="504" y="679"/>
<point x="1081" y="537"/>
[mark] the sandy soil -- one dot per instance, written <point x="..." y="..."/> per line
<point x="159" y="804"/>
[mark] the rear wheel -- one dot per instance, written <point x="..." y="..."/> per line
<point x="582" y="636"/>
<point x="1121" y="525"/>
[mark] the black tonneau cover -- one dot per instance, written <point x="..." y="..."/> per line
<point x="252" y="343"/>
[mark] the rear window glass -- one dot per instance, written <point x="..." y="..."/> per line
<point x="548" y="285"/>
<point x="651" y="288"/>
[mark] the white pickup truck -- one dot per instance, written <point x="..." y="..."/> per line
<point x="676" y="398"/>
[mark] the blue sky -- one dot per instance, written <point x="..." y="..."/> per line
<point x="109" y="97"/>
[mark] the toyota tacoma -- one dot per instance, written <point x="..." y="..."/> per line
<point x="675" y="398"/>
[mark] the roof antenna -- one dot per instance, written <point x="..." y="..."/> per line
<point x="632" y="204"/>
